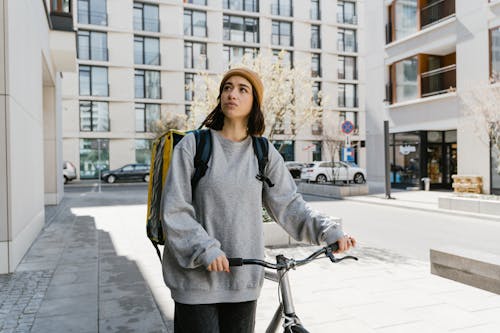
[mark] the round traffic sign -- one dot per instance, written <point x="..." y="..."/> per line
<point x="347" y="127"/>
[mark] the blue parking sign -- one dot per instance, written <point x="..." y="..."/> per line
<point x="348" y="154"/>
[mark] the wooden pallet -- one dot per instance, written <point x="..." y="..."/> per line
<point x="467" y="184"/>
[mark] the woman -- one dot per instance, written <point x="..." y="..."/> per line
<point x="223" y="217"/>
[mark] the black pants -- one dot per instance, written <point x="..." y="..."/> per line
<point x="215" y="318"/>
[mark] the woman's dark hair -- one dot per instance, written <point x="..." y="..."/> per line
<point x="255" y="126"/>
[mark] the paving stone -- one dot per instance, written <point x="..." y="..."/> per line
<point x="68" y="306"/>
<point x="85" y="322"/>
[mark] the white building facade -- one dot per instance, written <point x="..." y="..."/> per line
<point x="37" y="43"/>
<point x="136" y="57"/>
<point x="421" y="58"/>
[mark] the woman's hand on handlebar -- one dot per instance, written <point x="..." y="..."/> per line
<point x="220" y="264"/>
<point x="345" y="243"/>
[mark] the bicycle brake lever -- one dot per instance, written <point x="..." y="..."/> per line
<point x="330" y="255"/>
<point x="346" y="257"/>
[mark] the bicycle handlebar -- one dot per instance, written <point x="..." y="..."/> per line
<point x="292" y="263"/>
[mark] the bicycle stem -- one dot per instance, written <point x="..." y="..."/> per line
<point x="286" y="293"/>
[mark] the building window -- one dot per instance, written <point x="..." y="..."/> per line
<point x="92" y="12"/>
<point x="287" y="56"/>
<point x="316" y="88"/>
<point x="347" y="95"/>
<point x="196" y="2"/>
<point x="286" y="149"/>
<point x="346" y="39"/>
<point x="146" y="17"/>
<point x="241" y="29"/>
<point x="349" y="116"/>
<point x="195" y="55"/>
<point x="282" y="33"/>
<point x="406" y="79"/>
<point x="404" y="151"/>
<point x="195" y="23"/>
<point x="61" y="6"/>
<point x="94" y="155"/>
<point x="317" y="156"/>
<point x="347" y="68"/>
<point x="346" y="12"/>
<point x="187" y="110"/>
<point x="146" y="115"/>
<point x="406" y="18"/>
<point x="234" y="54"/>
<point x="188" y="86"/>
<point x="315" y="37"/>
<point x="243" y="5"/>
<point x="315" y="10"/>
<point x="143" y="152"/>
<point x="147" y="84"/>
<point x="94" y="116"/>
<point x="316" y="65"/>
<point x="495" y="55"/>
<point x="281" y="7"/>
<point x="146" y="50"/>
<point x="92" y="45"/>
<point x="93" y="81"/>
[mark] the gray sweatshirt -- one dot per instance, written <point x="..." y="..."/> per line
<point x="224" y="217"/>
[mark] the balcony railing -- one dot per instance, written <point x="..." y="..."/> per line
<point x="439" y="81"/>
<point x="148" y="58"/>
<point x="346" y="19"/>
<point x="347" y="46"/>
<point x="146" y="24"/>
<point x="93" y="17"/>
<point x="350" y="75"/>
<point x="388" y="33"/>
<point x="93" y="53"/>
<point x="61" y="15"/>
<point x="347" y="102"/>
<point x="315" y="43"/>
<point x="436" y="11"/>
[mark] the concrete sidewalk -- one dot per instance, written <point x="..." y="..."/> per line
<point x="93" y="270"/>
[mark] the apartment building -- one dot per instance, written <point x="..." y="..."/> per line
<point x="135" y="59"/>
<point x="421" y="59"/>
<point x="37" y="44"/>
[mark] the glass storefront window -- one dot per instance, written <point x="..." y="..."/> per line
<point x="94" y="154"/>
<point x="405" y="158"/>
<point x="143" y="151"/>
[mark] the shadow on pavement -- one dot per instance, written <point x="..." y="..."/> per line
<point x="73" y="280"/>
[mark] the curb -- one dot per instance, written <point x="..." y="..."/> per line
<point x="95" y="184"/>
<point x="431" y="210"/>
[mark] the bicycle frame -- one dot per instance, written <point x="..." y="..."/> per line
<point x="286" y="308"/>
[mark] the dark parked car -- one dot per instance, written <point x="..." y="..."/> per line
<point x="127" y="172"/>
<point x="294" y="168"/>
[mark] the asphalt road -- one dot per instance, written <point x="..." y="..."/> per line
<point x="406" y="232"/>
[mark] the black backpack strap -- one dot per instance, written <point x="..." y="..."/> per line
<point x="261" y="150"/>
<point x="203" y="152"/>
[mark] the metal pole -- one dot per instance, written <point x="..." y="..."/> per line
<point x="99" y="163"/>
<point x="387" y="161"/>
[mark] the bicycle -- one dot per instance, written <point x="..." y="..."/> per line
<point x="286" y="309"/>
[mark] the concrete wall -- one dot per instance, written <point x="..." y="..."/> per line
<point x="30" y="170"/>
<point x="375" y="112"/>
<point x="473" y="64"/>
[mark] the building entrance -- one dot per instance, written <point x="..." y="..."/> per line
<point x="415" y="155"/>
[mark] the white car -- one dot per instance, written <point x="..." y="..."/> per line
<point x="324" y="171"/>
